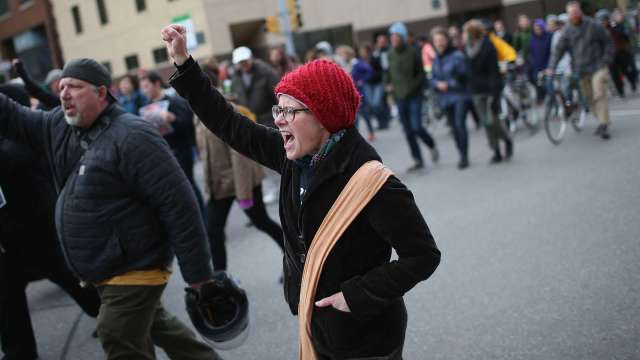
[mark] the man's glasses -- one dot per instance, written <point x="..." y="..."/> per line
<point x="288" y="113"/>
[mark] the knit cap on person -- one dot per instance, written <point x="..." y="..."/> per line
<point x="326" y="89"/>
<point x="53" y="75"/>
<point x="400" y="29"/>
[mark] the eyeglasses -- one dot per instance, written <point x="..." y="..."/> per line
<point x="288" y="113"/>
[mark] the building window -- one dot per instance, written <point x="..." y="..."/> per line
<point x="107" y="64"/>
<point x="141" y="5"/>
<point x="435" y="4"/>
<point x="131" y="62"/>
<point x="77" y="22"/>
<point x="25" y="2"/>
<point x="4" y="7"/>
<point x="160" y="55"/>
<point x="200" y="37"/>
<point x="102" y="12"/>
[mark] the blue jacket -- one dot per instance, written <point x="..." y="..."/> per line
<point x="540" y="51"/>
<point x="134" y="103"/>
<point x="452" y="67"/>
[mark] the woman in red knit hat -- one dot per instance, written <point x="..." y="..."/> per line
<point x="359" y="311"/>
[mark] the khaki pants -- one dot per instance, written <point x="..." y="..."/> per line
<point x="594" y="87"/>
<point x="494" y="127"/>
<point x="132" y="320"/>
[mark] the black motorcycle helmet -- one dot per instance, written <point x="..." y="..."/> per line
<point x="219" y="311"/>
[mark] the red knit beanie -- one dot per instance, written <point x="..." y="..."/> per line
<point x="326" y="89"/>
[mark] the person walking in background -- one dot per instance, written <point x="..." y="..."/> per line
<point x="178" y="117"/>
<point x="374" y="94"/>
<point x="230" y="177"/>
<point x="522" y="37"/>
<point x="361" y="73"/>
<point x="450" y="77"/>
<point x="405" y="79"/>
<point x="501" y="31"/>
<point x="622" y="58"/>
<point x="552" y="23"/>
<point x="130" y="97"/>
<point x="280" y="61"/>
<point x="252" y="84"/>
<point x="455" y="37"/>
<point x="592" y="50"/>
<point x="485" y="85"/>
<point x="539" y="53"/>
<point x="381" y="54"/>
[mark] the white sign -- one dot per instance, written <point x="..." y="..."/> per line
<point x="187" y="22"/>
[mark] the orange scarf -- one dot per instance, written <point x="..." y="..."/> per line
<point x="360" y="189"/>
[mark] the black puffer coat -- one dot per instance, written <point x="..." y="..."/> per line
<point x="124" y="203"/>
<point x="359" y="265"/>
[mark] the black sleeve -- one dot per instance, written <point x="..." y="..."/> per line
<point x="493" y="71"/>
<point x="22" y="124"/>
<point x="46" y="97"/>
<point x="409" y="235"/>
<point x="257" y="142"/>
<point x="153" y="172"/>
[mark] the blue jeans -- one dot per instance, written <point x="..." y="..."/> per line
<point x="457" y="116"/>
<point x="374" y="97"/>
<point x="410" y="111"/>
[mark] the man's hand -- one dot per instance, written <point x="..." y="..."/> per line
<point x="15" y="63"/>
<point x="442" y="86"/>
<point x="548" y="71"/>
<point x="336" y="300"/>
<point x="168" y="117"/>
<point x="175" y="38"/>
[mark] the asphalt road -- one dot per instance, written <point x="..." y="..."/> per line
<point x="541" y="257"/>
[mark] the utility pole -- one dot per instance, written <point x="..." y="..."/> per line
<point x="285" y="26"/>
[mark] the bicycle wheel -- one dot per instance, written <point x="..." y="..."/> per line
<point x="529" y="111"/>
<point x="554" y="124"/>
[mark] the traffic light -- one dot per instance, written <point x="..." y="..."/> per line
<point x="272" y="23"/>
<point x="295" y="17"/>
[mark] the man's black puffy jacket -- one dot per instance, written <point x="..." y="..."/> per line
<point x="124" y="203"/>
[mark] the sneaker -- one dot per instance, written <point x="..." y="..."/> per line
<point x="496" y="158"/>
<point x="509" y="149"/>
<point x="415" y="167"/>
<point x="604" y="134"/>
<point x="435" y="154"/>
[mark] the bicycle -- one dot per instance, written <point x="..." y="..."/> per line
<point x="563" y="107"/>
<point x="518" y="99"/>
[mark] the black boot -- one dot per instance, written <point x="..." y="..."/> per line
<point x="463" y="164"/>
<point x="497" y="157"/>
<point x="508" y="149"/>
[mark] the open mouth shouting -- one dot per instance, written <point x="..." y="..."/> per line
<point x="288" y="139"/>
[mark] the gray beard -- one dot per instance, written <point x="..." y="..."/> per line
<point x="72" y="120"/>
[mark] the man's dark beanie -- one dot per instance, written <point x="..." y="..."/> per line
<point x="17" y="93"/>
<point x="90" y="71"/>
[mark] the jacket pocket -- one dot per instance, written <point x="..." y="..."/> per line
<point x="341" y="330"/>
<point x="291" y="285"/>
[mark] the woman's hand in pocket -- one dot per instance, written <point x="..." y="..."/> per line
<point x="337" y="301"/>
